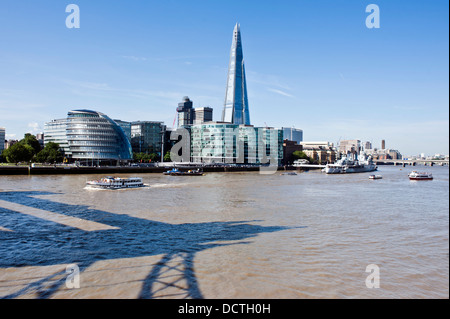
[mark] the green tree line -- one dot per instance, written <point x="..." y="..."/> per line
<point x="28" y="149"/>
<point x="149" y="158"/>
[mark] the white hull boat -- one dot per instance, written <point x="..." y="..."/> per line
<point x="347" y="165"/>
<point x="116" y="182"/>
<point x="420" y="176"/>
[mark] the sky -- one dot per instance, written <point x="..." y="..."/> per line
<point x="313" y="65"/>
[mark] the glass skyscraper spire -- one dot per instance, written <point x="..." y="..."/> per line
<point x="236" y="109"/>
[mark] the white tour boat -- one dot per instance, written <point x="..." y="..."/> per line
<point x="110" y="182"/>
<point x="417" y="176"/>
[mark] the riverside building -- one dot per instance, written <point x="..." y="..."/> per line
<point x="2" y="139"/>
<point x="147" y="137"/>
<point x="219" y="142"/>
<point x="292" y="134"/>
<point x="89" y="137"/>
<point x="202" y="115"/>
<point x="56" y="132"/>
<point x="185" y="112"/>
<point x="187" y="115"/>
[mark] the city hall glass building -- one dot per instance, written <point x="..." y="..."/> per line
<point x="87" y="135"/>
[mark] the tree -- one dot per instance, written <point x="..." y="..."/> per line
<point x="19" y="152"/>
<point x="144" y="157"/>
<point x="51" y="153"/>
<point x="22" y="151"/>
<point x="31" y="140"/>
<point x="300" y="155"/>
<point x="167" y="157"/>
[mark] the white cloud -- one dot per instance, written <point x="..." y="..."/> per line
<point x="134" y="58"/>
<point x="34" y="127"/>
<point x="91" y="85"/>
<point x="10" y="136"/>
<point x="281" y="92"/>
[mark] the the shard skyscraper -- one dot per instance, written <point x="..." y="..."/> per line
<point x="235" y="109"/>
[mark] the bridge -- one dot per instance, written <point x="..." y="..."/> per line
<point x="429" y="162"/>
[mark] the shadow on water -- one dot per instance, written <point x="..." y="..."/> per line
<point x="37" y="242"/>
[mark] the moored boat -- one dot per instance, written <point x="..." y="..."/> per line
<point x="110" y="182"/>
<point x="349" y="165"/>
<point x="417" y="176"/>
<point x="375" y="177"/>
<point x="177" y="172"/>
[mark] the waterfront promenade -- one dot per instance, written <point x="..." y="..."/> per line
<point x="65" y="169"/>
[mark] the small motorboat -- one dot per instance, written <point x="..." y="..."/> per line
<point x="420" y="176"/>
<point x="289" y="173"/>
<point x="375" y="177"/>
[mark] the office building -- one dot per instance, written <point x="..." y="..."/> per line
<point x="213" y="143"/>
<point x="187" y="115"/>
<point x="126" y="127"/>
<point x="56" y="132"/>
<point x="185" y="112"/>
<point x="2" y="139"/>
<point x="350" y="146"/>
<point x="292" y="134"/>
<point x="383" y="154"/>
<point x="10" y="143"/>
<point x="40" y="139"/>
<point x="383" y="144"/>
<point x="289" y="147"/>
<point x="321" y="152"/>
<point x="202" y="115"/>
<point x="219" y="142"/>
<point x="236" y="110"/>
<point x="323" y="144"/>
<point x="147" y="137"/>
<point x="89" y="137"/>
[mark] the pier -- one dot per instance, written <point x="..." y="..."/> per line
<point x="309" y="166"/>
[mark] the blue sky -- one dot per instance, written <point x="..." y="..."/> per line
<point x="310" y="64"/>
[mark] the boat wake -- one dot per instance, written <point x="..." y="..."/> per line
<point x="168" y="185"/>
<point x="93" y="188"/>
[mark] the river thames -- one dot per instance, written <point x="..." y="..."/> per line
<point x="227" y="235"/>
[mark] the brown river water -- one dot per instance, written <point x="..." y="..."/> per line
<point x="226" y="235"/>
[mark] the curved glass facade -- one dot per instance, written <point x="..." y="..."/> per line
<point x="91" y="135"/>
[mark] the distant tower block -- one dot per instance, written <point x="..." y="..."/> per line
<point x="383" y="144"/>
<point x="185" y="112"/>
